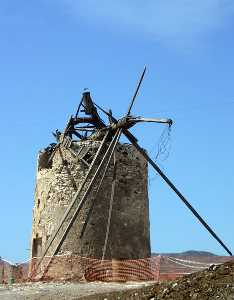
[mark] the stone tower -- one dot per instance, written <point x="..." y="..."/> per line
<point x="57" y="182"/>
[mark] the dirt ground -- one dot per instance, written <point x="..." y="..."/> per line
<point x="76" y="291"/>
<point x="217" y="282"/>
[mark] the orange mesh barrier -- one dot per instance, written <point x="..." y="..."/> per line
<point x="77" y="268"/>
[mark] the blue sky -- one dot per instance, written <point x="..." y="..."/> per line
<point x="51" y="50"/>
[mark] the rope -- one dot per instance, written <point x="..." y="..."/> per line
<point x="164" y="145"/>
<point x="110" y="210"/>
<point x="187" y="266"/>
<point x="163" y="152"/>
<point x="193" y="262"/>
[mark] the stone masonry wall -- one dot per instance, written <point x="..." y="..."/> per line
<point x="57" y="183"/>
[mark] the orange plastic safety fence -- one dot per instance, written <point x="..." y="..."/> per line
<point x="72" y="267"/>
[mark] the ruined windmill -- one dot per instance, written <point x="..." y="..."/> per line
<point x="91" y="196"/>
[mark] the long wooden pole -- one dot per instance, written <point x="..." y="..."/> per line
<point x="73" y="200"/>
<point x="178" y="193"/>
<point x="91" y="185"/>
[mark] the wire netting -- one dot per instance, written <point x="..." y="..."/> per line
<point x="77" y="268"/>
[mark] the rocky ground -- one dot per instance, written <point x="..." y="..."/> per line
<point x="217" y="282"/>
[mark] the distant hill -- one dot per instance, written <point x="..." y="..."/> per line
<point x="4" y="262"/>
<point x="187" y="253"/>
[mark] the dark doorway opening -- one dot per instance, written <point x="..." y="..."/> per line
<point x="37" y="247"/>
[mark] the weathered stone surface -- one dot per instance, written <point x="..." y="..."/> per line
<point x="57" y="183"/>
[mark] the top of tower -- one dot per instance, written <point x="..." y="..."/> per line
<point x="87" y="123"/>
